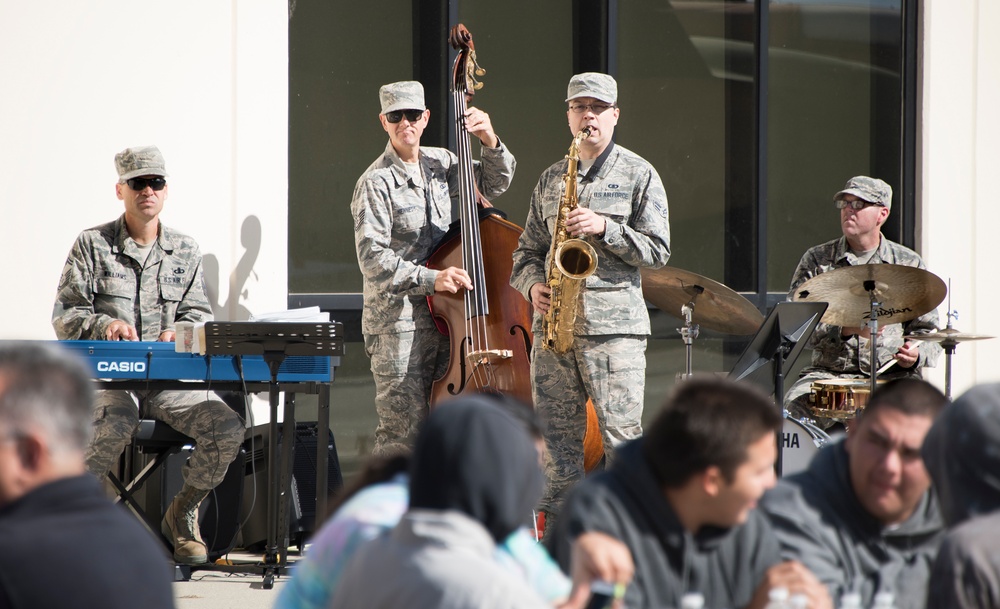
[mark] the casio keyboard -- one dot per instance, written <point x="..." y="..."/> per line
<point x="158" y="361"/>
<point x="240" y="358"/>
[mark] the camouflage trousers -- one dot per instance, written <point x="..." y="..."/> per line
<point x="611" y="371"/>
<point x="404" y="366"/>
<point x="216" y="429"/>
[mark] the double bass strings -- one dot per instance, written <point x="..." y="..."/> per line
<point x="476" y="301"/>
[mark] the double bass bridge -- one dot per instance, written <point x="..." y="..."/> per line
<point x="486" y="357"/>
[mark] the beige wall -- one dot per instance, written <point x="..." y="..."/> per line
<point x="204" y="81"/>
<point x="960" y="166"/>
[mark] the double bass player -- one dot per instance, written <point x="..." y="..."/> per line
<point x="622" y="212"/>
<point x="402" y="207"/>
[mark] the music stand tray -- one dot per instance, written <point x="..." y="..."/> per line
<point x="772" y="353"/>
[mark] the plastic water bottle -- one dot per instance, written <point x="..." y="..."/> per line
<point x="850" y="600"/>
<point x="884" y="600"/>
<point x="777" y="598"/>
<point x="693" y="600"/>
<point x="798" y="601"/>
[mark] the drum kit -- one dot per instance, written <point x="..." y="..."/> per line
<point x="867" y="295"/>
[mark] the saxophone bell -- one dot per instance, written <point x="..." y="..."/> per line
<point x="576" y="259"/>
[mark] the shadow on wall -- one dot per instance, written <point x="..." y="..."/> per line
<point x="233" y="309"/>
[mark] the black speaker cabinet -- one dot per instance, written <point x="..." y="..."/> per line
<point x="302" y="511"/>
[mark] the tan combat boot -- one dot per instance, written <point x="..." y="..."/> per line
<point x="180" y="526"/>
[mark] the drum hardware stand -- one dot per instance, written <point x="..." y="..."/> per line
<point x="869" y="285"/>
<point x="688" y="333"/>
<point x="948" y="346"/>
<point x="772" y="352"/>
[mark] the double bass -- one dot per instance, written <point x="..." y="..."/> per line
<point x="489" y="327"/>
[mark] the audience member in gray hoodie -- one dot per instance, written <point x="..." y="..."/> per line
<point x="862" y="517"/>
<point x="682" y="499"/>
<point x="962" y="454"/>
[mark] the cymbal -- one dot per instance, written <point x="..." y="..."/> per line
<point x="947" y="337"/>
<point x="716" y="306"/>
<point x="903" y="293"/>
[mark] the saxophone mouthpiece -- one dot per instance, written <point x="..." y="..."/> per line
<point x="585" y="131"/>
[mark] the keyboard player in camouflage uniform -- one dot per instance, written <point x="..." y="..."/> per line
<point x="622" y="213"/>
<point x="134" y="279"/>
<point x="844" y="352"/>
<point x="403" y="205"/>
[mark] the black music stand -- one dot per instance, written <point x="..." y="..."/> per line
<point x="274" y="341"/>
<point x="770" y="356"/>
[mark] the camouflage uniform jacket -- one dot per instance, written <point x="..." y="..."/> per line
<point x="831" y="352"/>
<point x="398" y="224"/>
<point x="104" y="279"/>
<point x="627" y="191"/>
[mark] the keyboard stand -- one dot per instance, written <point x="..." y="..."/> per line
<point x="274" y="341"/>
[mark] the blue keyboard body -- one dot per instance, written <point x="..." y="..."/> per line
<point x="124" y="360"/>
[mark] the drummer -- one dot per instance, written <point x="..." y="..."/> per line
<point x="843" y="352"/>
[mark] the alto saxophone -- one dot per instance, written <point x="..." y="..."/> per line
<point x="570" y="262"/>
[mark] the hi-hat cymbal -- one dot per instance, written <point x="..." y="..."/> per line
<point x="903" y="293"/>
<point x="716" y="306"/>
<point x="947" y="337"/>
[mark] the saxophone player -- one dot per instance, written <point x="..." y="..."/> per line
<point x="621" y="210"/>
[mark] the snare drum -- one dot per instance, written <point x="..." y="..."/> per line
<point x="839" y="399"/>
<point x="800" y="441"/>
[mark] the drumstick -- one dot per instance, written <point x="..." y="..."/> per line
<point x="885" y="367"/>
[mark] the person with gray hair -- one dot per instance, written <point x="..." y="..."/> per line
<point x="402" y="208"/>
<point x="844" y="352"/>
<point x="962" y="454"/>
<point x="134" y="279"/>
<point x="57" y="524"/>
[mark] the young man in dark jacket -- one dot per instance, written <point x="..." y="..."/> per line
<point x="863" y="517"/>
<point x="682" y="499"/>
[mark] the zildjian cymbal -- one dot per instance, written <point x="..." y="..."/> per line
<point x="902" y="293"/>
<point x="948" y="337"/>
<point x="716" y="306"/>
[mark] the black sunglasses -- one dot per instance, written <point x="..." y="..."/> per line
<point x="397" y="115"/>
<point x="139" y="184"/>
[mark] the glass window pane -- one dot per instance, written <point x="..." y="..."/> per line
<point x="834" y="112"/>
<point x="528" y="62"/>
<point x="336" y="66"/>
<point x="686" y="91"/>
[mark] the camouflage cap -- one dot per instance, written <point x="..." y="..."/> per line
<point x="404" y="95"/>
<point x="140" y="161"/>
<point x="872" y="190"/>
<point x="593" y="84"/>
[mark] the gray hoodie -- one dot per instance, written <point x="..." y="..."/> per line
<point x="962" y="454"/>
<point x="725" y="564"/>
<point x="821" y="523"/>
